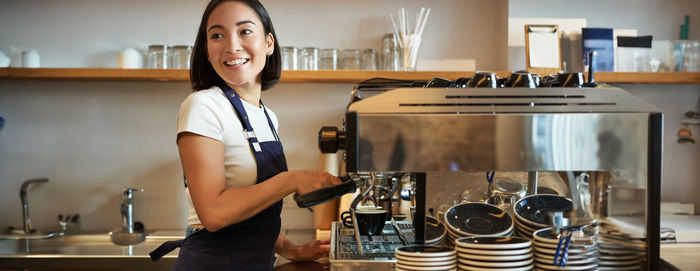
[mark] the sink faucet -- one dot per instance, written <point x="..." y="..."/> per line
<point x="127" y="209"/>
<point x="25" y="205"/>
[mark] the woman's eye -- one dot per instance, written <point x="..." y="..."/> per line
<point x="216" y="36"/>
<point x="246" y="32"/>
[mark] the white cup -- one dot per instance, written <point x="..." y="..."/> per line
<point x="4" y="60"/>
<point x="129" y="58"/>
<point x="30" y="59"/>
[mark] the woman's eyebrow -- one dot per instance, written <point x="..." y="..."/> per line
<point x="237" y="24"/>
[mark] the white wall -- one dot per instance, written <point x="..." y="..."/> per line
<point x="94" y="138"/>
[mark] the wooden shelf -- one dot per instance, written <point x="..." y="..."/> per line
<point x="323" y="76"/>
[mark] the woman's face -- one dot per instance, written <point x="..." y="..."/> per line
<point x="237" y="46"/>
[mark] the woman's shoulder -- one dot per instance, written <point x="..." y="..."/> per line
<point x="206" y="97"/>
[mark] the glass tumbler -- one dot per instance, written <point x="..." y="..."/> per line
<point x="391" y="58"/>
<point x="309" y="58"/>
<point x="157" y="57"/>
<point x="328" y="59"/>
<point x="180" y="57"/>
<point x="352" y="59"/>
<point x="369" y="59"/>
<point x="289" y="58"/>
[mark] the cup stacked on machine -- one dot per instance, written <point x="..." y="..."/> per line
<point x="424" y="258"/>
<point x="477" y="219"/>
<point x="551" y="252"/>
<point x="619" y="250"/>
<point x="531" y="212"/>
<point x="494" y="253"/>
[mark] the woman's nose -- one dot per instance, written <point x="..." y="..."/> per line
<point x="233" y="44"/>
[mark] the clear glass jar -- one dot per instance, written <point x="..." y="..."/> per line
<point x="328" y="59"/>
<point x="369" y="59"/>
<point x="352" y="59"/>
<point x="157" y="57"/>
<point x="289" y="58"/>
<point x="309" y="59"/>
<point x="391" y="58"/>
<point x="180" y="57"/>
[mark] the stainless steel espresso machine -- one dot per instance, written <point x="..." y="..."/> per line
<point x="434" y="138"/>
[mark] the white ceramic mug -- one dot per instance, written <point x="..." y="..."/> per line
<point x="129" y="58"/>
<point x="30" y="59"/>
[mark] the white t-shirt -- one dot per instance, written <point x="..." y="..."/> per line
<point x="209" y="113"/>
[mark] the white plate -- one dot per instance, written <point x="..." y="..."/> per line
<point x="476" y="268"/>
<point x="521" y="224"/>
<point x="618" y="268"/>
<point x="607" y="257"/>
<point x="495" y="258"/>
<point x="425" y="268"/>
<point x="495" y="264"/>
<point x="400" y="257"/>
<point x="493" y="251"/>
<point x="568" y="267"/>
<point x="493" y="242"/>
<point x="572" y="245"/>
<point x="616" y="263"/>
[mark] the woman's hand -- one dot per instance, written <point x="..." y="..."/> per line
<point x="310" y="180"/>
<point x="304" y="253"/>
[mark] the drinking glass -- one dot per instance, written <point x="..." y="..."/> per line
<point x="309" y="58"/>
<point x="351" y="59"/>
<point x="157" y="56"/>
<point x="369" y="59"/>
<point x="328" y="59"/>
<point x="180" y="57"/>
<point x="289" y="58"/>
<point x="391" y="58"/>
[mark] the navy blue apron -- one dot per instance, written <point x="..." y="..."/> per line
<point x="247" y="245"/>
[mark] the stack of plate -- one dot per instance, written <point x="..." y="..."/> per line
<point x="477" y="219"/>
<point x="425" y="258"/>
<point x="494" y="253"/>
<point x="582" y="254"/>
<point x="621" y="251"/>
<point x="435" y="231"/>
<point x="531" y="212"/>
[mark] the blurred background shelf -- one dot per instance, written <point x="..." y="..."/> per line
<point x="322" y="76"/>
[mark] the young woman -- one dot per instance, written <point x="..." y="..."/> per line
<point x="233" y="161"/>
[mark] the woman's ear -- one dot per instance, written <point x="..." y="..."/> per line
<point x="270" y="40"/>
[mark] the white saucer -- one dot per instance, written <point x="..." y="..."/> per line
<point x="618" y="268"/>
<point x="493" y="242"/>
<point x="541" y="250"/>
<point x="400" y="257"/>
<point x="476" y="268"/>
<point x="568" y="267"/>
<point x="572" y="245"/>
<point x="425" y="268"/>
<point x="424" y="251"/>
<point x="495" y="258"/>
<point x="495" y="264"/>
<point x="583" y="261"/>
<point x="618" y="263"/>
<point x="413" y="264"/>
<point x="519" y="251"/>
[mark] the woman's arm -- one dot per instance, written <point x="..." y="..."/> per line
<point x="217" y="207"/>
<point x="307" y="252"/>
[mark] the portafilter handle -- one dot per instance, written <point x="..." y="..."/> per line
<point x="325" y="194"/>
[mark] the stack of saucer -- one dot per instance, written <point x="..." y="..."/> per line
<point x="582" y="254"/>
<point x="477" y="219"/>
<point x="434" y="231"/>
<point x="494" y="253"/>
<point x="531" y="212"/>
<point x="425" y="258"/>
<point x="621" y="251"/>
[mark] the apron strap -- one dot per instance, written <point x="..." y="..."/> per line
<point x="164" y="249"/>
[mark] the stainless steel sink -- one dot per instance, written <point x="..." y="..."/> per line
<point x="127" y="239"/>
<point x="18" y="234"/>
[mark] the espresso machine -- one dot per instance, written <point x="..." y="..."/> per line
<point x="434" y="138"/>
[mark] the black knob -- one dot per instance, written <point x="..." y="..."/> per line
<point x="330" y="139"/>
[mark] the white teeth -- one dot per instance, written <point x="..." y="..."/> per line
<point x="236" y="62"/>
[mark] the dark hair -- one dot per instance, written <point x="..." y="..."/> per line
<point x="202" y="74"/>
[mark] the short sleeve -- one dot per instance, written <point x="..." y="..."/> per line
<point x="198" y="115"/>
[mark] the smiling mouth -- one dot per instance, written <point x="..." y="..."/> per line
<point x="236" y="62"/>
